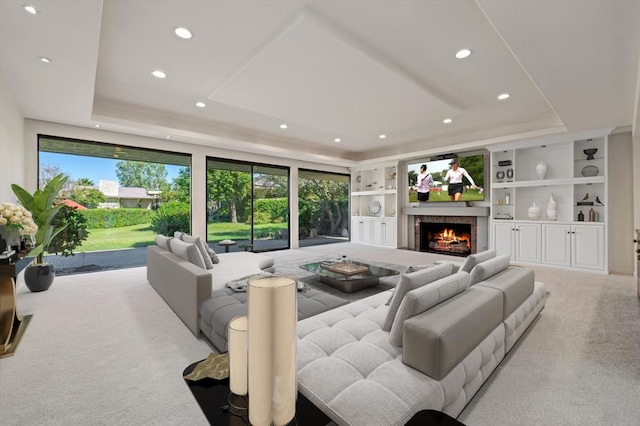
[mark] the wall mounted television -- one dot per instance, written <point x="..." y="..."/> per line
<point x="438" y="167"/>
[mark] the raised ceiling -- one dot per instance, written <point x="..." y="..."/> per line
<point x="328" y="69"/>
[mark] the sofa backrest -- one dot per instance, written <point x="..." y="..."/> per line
<point x="489" y="268"/>
<point x="475" y="259"/>
<point x="516" y="285"/>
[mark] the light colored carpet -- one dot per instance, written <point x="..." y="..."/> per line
<point x="103" y="348"/>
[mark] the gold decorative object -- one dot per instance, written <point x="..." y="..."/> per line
<point x="216" y="366"/>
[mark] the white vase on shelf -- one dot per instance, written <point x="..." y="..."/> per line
<point x="552" y="209"/>
<point x="542" y="169"/>
<point x="534" y="212"/>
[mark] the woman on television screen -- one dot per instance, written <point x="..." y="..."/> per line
<point x="425" y="180"/>
<point x="454" y="177"/>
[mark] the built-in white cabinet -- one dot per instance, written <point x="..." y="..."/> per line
<point x="522" y="241"/>
<point x="579" y="246"/>
<point x="570" y="169"/>
<point x="374" y="204"/>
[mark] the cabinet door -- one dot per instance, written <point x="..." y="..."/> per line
<point x="503" y="237"/>
<point x="390" y="232"/>
<point x="588" y="247"/>
<point x="528" y="247"/>
<point x="377" y="228"/>
<point x="556" y="244"/>
<point x="367" y="230"/>
<point x="357" y="226"/>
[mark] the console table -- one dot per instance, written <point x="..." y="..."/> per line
<point x="12" y="325"/>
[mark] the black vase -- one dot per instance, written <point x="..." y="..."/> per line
<point x="39" y="277"/>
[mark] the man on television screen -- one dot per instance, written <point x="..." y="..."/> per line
<point x="454" y="177"/>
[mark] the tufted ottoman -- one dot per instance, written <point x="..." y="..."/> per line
<point x="226" y="304"/>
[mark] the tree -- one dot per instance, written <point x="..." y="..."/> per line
<point x="139" y="174"/>
<point x="180" y="188"/>
<point x="48" y="172"/>
<point x="228" y="186"/>
<point x="88" y="197"/>
<point x="85" y="182"/>
<point x="413" y="178"/>
<point x="328" y="198"/>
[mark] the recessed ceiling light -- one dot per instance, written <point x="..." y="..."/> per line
<point x="461" y="54"/>
<point x="504" y="96"/>
<point x="45" y="60"/>
<point x="283" y="126"/>
<point x="382" y="136"/>
<point x="96" y="125"/>
<point x="168" y="137"/>
<point x="183" y="33"/>
<point x="337" y="140"/>
<point x="32" y="10"/>
<point x="447" y="121"/>
<point x="201" y="104"/>
<point x="159" y="74"/>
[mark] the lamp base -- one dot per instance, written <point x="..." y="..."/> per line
<point x="238" y="404"/>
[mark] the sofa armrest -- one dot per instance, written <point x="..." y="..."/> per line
<point x="181" y="284"/>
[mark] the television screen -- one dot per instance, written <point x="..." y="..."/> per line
<point x="440" y="188"/>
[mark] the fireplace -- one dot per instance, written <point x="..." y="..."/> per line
<point x="452" y="235"/>
<point x="446" y="238"/>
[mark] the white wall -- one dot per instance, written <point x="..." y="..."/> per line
<point x="636" y="188"/>
<point x="621" y="205"/>
<point x="199" y="154"/>
<point x="12" y="144"/>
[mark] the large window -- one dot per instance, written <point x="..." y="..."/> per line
<point x="323" y="207"/>
<point x="247" y="206"/>
<point x="118" y="192"/>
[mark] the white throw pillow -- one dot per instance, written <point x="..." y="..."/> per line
<point x="163" y="242"/>
<point x="187" y="251"/>
<point x="201" y="246"/>
<point x="410" y="282"/>
<point x="423" y="298"/>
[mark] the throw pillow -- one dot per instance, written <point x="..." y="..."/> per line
<point x="489" y="268"/>
<point x="201" y="246"/>
<point x="188" y="252"/>
<point x="163" y="242"/>
<point x="212" y="255"/>
<point x="410" y="282"/>
<point x="424" y="298"/>
<point x="476" y="259"/>
<point x="416" y="268"/>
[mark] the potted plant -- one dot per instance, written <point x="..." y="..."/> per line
<point x="39" y="275"/>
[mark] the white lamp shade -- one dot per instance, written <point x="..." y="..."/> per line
<point x="238" y="353"/>
<point x="272" y="318"/>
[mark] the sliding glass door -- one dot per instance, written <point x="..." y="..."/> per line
<point x="247" y="206"/>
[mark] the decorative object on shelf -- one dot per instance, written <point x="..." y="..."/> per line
<point x="592" y="215"/>
<point x="590" y="152"/>
<point x="504" y="163"/>
<point x="534" y="212"/>
<point x="503" y="216"/>
<point x="392" y="175"/>
<point x="552" y="209"/>
<point x="375" y="207"/>
<point x="509" y="175"/>
<point x="500" y="175"/>
<point x="358" y="178"/>
<point x="541" y="169"/>
<point x="357" y="212"/>
<point x="597" y="217"/>
<point x="590" y="171"/>
<point x="598" y="201"/>
<point x="391" y="212"/>
<point x="580" y="216"/>
<point x="585" y="201"/>
<point x="507" y="198"/>
<point x="272" y="317"/>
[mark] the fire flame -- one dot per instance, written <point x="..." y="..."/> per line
<point x="449" y="236"/>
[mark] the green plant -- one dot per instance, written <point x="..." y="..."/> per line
<point x="40" y="204"/>
<point x="116" y="218"/>
<point x="74" y="231"/>
<point x="171" y="217"/>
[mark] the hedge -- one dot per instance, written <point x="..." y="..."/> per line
<point x="270" y="210"/>
<point x="116" y="218"/>
<point x="171" y="217"/>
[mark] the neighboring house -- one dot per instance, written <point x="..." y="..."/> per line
<point x="73" y="204"/>
<point x="126" y="197"/>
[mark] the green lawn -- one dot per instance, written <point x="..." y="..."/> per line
<point x="142" y="235"/>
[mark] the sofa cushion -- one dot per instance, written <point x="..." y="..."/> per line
<point x="515" y="284"/>
<point x="410" y="282"/>
<point x="201" y="246"/>
<point x="489" y="268"/>
<point x="476" y="259"/>
<point x="424" y="298"/>
<point x="435" y="341"/>
<point x="187" y="251"/>
<point x="178" y="235"/>
<point x="239" y="257"/>
<point x="163" y="242"/>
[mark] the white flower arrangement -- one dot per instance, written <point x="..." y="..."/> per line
<point x="15" y="215"/>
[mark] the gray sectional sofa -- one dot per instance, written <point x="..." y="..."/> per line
<point x="447" y="337"/>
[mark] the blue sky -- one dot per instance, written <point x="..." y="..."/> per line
<point x="94" y="168"/>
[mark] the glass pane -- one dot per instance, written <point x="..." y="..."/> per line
<point x="323" y="202"/>
<point x="118" y="192"/>
<point x="270" y="208"/>
<point x="229" y="206"/>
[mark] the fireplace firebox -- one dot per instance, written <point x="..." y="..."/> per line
<point x="446" y="238"/>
